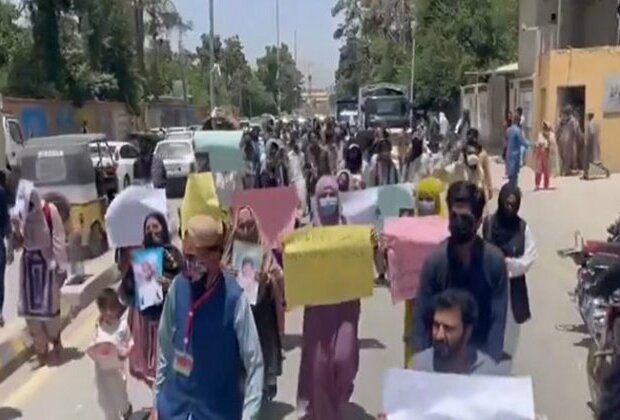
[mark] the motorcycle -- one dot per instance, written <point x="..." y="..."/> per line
<point x="613" y="231"/>
<point x="597" y="294"/>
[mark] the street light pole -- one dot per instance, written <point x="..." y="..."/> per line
<point x="211" y="56"/>
<point x="412" y="82"/>
<point x="278" y="101"/>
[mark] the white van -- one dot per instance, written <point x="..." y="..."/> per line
<point x="14" y="138"/>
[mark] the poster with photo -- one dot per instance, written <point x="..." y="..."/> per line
<point x="148" y="267"/>
<point x="22" y="198"/>
<point x="247" y="259"/>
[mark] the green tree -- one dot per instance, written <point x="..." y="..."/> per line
<point x="453" y="36"/>
<point x="290" y="80"/>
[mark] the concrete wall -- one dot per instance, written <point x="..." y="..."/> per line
<point x="587" y="23"/>
<point x="582" y="24"/>
<point x="50" y="117"/>
<point x="581" y="67"/>
<point x="174" y="115"/>
<point x="486" y="103"/>
<point x="528" y="15"/>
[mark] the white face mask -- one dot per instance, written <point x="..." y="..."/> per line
<point x="473" y="160"/>
<point x="426" y="208"/>
<point x="328" y="206"/>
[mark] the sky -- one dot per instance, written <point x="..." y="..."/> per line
<point x="255" y="23"/>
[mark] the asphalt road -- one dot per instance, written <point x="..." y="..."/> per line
<point x="551" y="350"/>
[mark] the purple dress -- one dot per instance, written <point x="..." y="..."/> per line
<point x="329" y="352"/>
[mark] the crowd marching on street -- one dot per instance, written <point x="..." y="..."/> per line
<point x="208" y="343"/>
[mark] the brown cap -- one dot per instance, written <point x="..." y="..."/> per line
<point x="203" y="231"/>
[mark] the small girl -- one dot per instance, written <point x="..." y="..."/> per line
<point x="112" y="331"/>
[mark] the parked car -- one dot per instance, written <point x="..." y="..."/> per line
<point x="101" y="156"/>
<point x="174" y="130"/>
<point x="179" y="160"/>
<point x="125" y="155"/>
<point x="180" y="135"/>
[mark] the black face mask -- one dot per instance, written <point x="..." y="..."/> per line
<point x="462" y="227"/>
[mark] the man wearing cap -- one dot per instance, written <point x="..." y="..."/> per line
<point x="208" y="341"/>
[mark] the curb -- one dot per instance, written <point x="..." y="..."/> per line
<point x="16" y="349"/>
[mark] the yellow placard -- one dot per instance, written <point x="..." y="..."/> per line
<point x="200" y="198"/>
<point x="328" y="265"/>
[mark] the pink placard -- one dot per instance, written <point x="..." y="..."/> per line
<point x="275" y="209"/>
<point x="409" y="241"/>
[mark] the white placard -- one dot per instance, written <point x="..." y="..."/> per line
<point x="411" y="395"/>
<point x="360" y="207"/>
<point x="125" y="216"/>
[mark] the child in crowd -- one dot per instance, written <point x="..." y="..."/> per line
<point x="109" y="351"/>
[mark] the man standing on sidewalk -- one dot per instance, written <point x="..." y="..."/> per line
<point x="514" y="147"/>
<point x="593" y="148"/>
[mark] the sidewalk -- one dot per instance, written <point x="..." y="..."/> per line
<point x="15" y="342"/>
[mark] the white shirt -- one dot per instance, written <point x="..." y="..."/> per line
<point x="117" y="334"/>
<point x="444" y="124"/>
<point x="520" y="266"/>
<point x="294" y="167"/>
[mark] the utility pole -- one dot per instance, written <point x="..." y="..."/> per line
<point x="278" y="93"/>
<point x="295" y="46"/>
<point x="183" y="76"/>
<point x="182" y="62"/>
<point x="414" y="24"/>
<point x="211" y="56"/>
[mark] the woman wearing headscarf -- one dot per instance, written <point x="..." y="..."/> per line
<point x="428" y="203"/>
<point x="356" y="165"/>
<point x="267" y="305"/>
<point x="512" y="235"/>
<point x="296" y="160"/>
<point x="317" y="161"/>
<point x="144" y="324"/>
<point x="344" y="180"/>
<point x="468" y="168"/>
<point x="43" y="270"/>
<point x="330" y="346"/>
<point x="383" y="169"/>
<point x="416" y="165"/>
<point x="545" y="157"/>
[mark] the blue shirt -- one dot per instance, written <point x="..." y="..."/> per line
<point x="515" y="140"/>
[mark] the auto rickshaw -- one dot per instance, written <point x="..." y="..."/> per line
<point x="65" y="165"/>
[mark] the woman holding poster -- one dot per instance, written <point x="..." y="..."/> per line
<point x="43" y="270"/>
<point x="145" y="322"/>
<point x="330" y="346"/>
<point x="428" y="203"/>
<point x="260" y="276"/>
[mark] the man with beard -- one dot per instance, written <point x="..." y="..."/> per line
<point x="466" y="261"/>
<point x="454" y="319"/>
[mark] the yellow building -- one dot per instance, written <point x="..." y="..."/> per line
<point x="589" y="80"/>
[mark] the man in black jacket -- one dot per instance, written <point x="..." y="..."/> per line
<point x="465" y="261"/>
